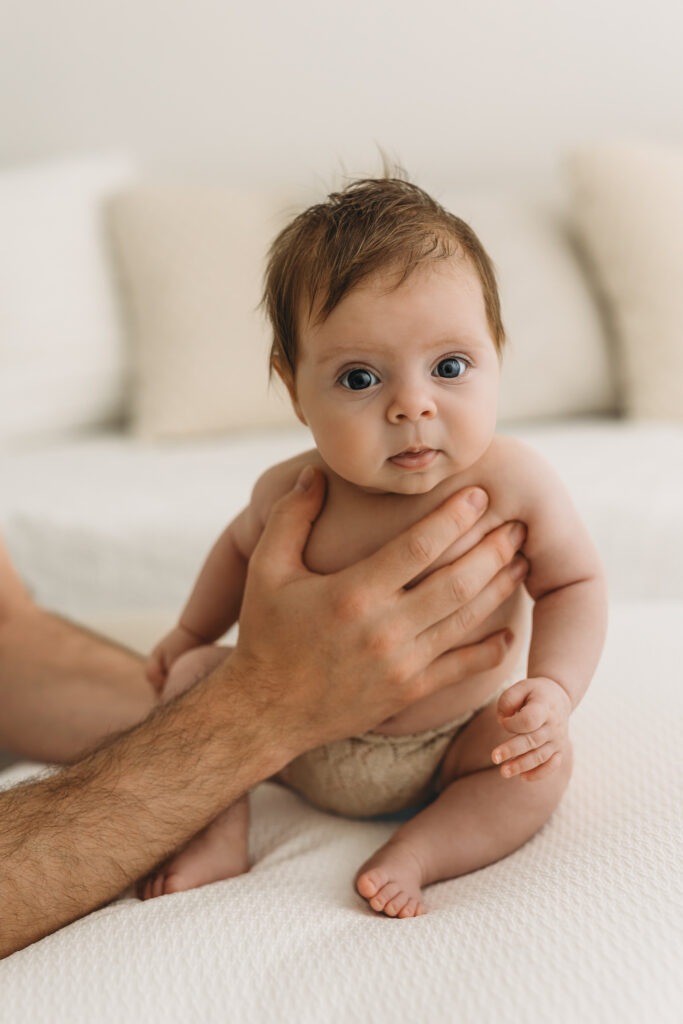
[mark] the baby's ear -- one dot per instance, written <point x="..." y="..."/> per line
<point x="285" y="375"/>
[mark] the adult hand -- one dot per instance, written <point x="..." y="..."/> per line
<point x="328" y="656"/>
<point x="319" y="657"/>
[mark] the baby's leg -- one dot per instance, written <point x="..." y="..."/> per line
<point x="221" y="849"/>
<point x="478" y="819"/>
<point x="192" y="666"/>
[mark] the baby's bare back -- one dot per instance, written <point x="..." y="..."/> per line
<point x="354" y="524"/>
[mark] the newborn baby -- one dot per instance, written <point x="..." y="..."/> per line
<point x="388" y="336"/>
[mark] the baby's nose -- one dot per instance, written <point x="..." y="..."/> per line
<point x="411" y="404"/>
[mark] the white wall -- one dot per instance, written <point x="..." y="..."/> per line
<point x="273" y="90"/>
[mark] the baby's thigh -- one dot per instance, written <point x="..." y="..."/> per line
<point x="192" y="666"/>
<point x="471" y="749"/>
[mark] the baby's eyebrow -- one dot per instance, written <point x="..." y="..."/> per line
<point x="344" y="354"/>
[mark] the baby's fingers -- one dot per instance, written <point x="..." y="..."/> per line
<point x="156" y="673"/>
<point x="547" y="768"/>
<point x="521" y="715"/>
<point x="531" y="761"/>
<point x="519" y="745"/>
<point x="513" y="698"/>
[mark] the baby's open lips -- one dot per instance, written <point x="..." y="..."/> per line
<point x="413" y="450"/>
<point x="414" y="457"/>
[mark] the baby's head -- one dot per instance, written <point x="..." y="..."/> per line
<point x="387" y="333"/>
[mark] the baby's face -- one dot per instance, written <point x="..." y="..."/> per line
<point x="399" y="386"/>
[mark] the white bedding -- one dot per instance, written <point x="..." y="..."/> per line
<point x="107" y="523"/>
<point x="584" y="923"/>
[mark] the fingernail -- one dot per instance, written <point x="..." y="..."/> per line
<point x="305" y="479"/>
<point x="519" y="567"/>
<point x="478" y="498"/>
<point x="517" y="533"/>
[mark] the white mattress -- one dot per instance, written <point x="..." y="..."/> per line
<point x="107" y="523"/>
<point x="584" y="923"/>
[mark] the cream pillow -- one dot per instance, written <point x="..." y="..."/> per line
<point x="556" y="358"/>
<point x="629" y="220"/>
<point x="191" y="261"/>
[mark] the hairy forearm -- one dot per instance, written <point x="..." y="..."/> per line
<point x="569" y="626"/>
<point x="70" y="842"/>
<point x="63" y="689"/>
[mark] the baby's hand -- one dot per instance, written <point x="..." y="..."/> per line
<point x="537" y="711"/>
<point x="166" y="652"/>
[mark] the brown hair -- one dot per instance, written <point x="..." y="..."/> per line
<point x="373" y="224"/>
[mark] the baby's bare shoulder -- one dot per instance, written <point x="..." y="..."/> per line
<point x="278" y="480"/>
<point x="519" y="479"/>
<point x="275" y="482"/>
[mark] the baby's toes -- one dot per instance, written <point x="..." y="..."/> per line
<point x="174" y="883"/>
<point x="145" y="888"/>
<point x="369" y="883"/>
<point x="410" y="909"/>
<point x="396" y="904"/>
<point x="380" y="900"/>
<point x="156" y="886"/>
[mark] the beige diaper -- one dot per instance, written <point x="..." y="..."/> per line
<point x="372" y="773"/>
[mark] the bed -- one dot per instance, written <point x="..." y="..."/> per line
<point x="109" y="519"/>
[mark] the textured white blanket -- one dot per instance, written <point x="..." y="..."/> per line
<point x="584" y="923"/>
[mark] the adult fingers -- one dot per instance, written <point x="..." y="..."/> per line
<point x="281" y="545"/>
<point x="454" y="588"/>
<point x="452" y="630"/>
<point x="467" y="661"/>
<point x="406" y="556"/>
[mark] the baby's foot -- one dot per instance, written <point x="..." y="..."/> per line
<point x="390" y="881"/>
<point x="219" y="851"/>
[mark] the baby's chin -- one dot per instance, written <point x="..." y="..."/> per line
<point x="392" y="482"/>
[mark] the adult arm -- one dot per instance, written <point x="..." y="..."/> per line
<point x="62" y="688"/>
<point x="318" y="657"/>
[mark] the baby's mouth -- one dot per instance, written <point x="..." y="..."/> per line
<point x="414" y="458"/>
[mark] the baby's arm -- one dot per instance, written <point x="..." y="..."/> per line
<point x="214" y="604"/>
<point x="567" y="583"/>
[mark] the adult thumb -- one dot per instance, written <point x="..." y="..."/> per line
<point x="289" y="524"/>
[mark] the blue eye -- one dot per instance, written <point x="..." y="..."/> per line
<point x="450" y="368"/>
<point x="358" y="380"/>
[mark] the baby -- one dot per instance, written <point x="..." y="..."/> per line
<point x="388" y="337"/>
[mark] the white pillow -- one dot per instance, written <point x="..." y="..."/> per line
<point x="629" y="219"/>
<point x="556" y="359"/>
<point x="61" y="347"/>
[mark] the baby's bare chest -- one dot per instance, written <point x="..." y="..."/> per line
<point x="352" y="527"/>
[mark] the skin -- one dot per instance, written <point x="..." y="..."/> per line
<point x="399" y="386"/>
<point x="61" y="688"/>
<point x="73" y="841"/>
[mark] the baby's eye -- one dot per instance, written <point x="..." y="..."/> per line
<point x="450" y="368"/>
<point x="358" y="380"/>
